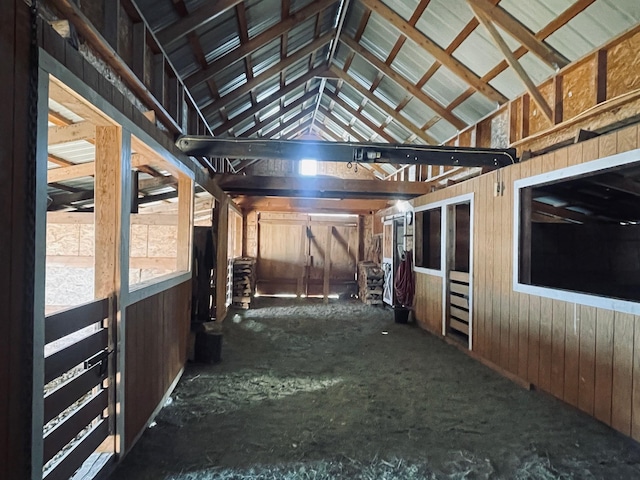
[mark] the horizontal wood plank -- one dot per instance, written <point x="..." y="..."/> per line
<point x="462" y="277"/>
<point x="57" y="438"/>
<point x="69" y="392"/>
<point x="461" y="327"/>
<point x="66" y="322"/>
<point x="79" y="453"/>
<point x="460" y="289"/>
<point x="64" y="360"/>
<point x="459" y="301"/>
<point x="460" y="314"/>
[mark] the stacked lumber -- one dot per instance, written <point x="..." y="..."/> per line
<point x="244" y="281"/>
<point x="370" y="283"/>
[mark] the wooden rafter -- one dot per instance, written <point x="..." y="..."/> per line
<point x="513" y="62"/>
<point x="208" y="12"/>
<point x="245" y="49"/>
<point x="435" y="50"/>
<point x="404" y="83"/>
<point x="384" y="107"/>
<point x="518" y="31"/>
<point x="269" y="73"/>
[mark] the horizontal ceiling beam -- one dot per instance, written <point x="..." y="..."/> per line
<point x="345" y="152"/>
<point x="315" y="205"/>
<point x="71" y="133"/>
<point x="321" y="187"/>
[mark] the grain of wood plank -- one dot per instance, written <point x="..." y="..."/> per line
<point x="546" y="322"/>
<point x="494" y="246"/>
<point x="622" y="385"/>
<point x="504" y="236"/>
<point x="572" y="355"/>
<point x="523" y="335"/>
<point x="586" y="388"/>
<point x="604" y="365"/>
<point x="558" y="348"/>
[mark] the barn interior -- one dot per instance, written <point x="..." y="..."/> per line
<point x="291" y="181"/>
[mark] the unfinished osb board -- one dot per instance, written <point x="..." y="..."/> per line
<point x="622" y="67"/>
<point x="579" y="89"/>
<point x="537" y="119"/>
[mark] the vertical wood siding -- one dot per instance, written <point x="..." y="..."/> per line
<point x="588" y="357"/>
<point x="157" y="329"/>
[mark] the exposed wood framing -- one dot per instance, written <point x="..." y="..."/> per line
<point x="71" y="133"/>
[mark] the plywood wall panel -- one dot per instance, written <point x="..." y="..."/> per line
<point x="533" y="354"/>
<point x="523" y="336"/>
<point x="608" y="145"/>
<point x="571" y="355"/>
<point x="604" y="366"/>
<point x="574" y="154"/>
<point x="537" y="119"/>
<point x="622" y="387"/>
<point x="579" y="89"/>
<point x="622" y="61"/>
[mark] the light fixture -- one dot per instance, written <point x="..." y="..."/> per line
<point x="308" y="167"/>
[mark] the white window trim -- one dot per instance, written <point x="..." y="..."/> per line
<point x="602" y="164"/>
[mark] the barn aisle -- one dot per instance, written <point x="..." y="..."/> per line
<point x="315" y="391"/>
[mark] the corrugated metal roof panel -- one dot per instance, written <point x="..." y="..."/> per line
<point x="296" y="5"/>
<point x="417" y="112"/>
<point x="398" y="132"/>
<point x="362" y="71"/>
<point x="184" y="60"/>
<point x="79" y="151"/>
<point x="379" y="36"/>
<point x="442" y="131"/>
<point x="593" y="27"/>
<point x="444" y="86"/>
<point x="230" y="78"/>
<point x="535" y="14"/>
<point x="508" y="83"/>
<point x="267" y="88"/>
<point x="412" y="61"/>
<point x="390" y="92"/>
<point x="219" y="36"/>
<point x="158" y="13"/>
<point x="262" y="14"/>
<point x="363" y="131"/>
<point x="64" y="111"/>
<point x="404" y="8"/>
<point x="354" y="14"/>
<point x="373" y="113"/>
<point x="238" y="105"/>
<point x="479" y="53"/>
<point x="473" y="109"/>
<point x="350" y="96"/>
<point x="265" y="57"/>
<point x="243" y="126"/>
<point x="443" y="20"/>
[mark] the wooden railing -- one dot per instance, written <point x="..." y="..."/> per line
<point x="75" y="410"/>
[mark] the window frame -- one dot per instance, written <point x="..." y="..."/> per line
<point x="584" y="169"/>
<point x="427" y="208"/>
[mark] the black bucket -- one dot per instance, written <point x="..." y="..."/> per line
<point x="401" y="314"/>
<point x="208" y="347"/>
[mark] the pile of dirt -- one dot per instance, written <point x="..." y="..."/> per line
<point x="313" y="391"/>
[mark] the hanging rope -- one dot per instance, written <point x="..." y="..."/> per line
<point x="403" y="283"/>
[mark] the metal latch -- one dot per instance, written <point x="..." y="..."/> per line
<point x="98" y="358"/>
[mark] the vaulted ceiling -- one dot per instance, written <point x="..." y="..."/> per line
<point x="410" y="71"/>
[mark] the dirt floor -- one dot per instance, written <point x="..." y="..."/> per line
<point x="313" y="391"/>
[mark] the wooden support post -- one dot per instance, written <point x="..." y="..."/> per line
<point x="601" y="76"/>
<point x="185" y="222"/>
<point x="158" y="80"/>
<point x="524" y="125"/>
<point x="221" y="222"/>
<point x="558" y="103"/>
<point x="108" y="195"/>
<point x="327" y="265"/>
<point x="111" y="17"/>
<point x="135" y="186"/>
<point x="139" y="47"/>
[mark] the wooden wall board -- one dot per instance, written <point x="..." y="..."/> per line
<point x="558" y="337"/>
<point x="156" y="333"/>
<point x="546" y="326"/>
<point x="533" y="354"/>
<point x="538" y="122"/>
<point x="635" y="394"/>
<point x="586" y="388"/>
<point x="571" y="355"/>
<point x="627" y="139"/>
<point x="604" y="365"/>
<point x="622" y="387"/>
